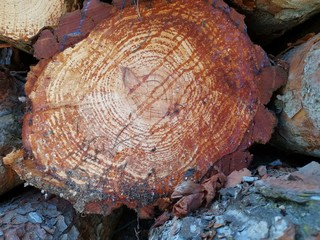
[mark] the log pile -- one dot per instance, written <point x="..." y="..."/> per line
<point x="299" y="118"/>
<point x="146" y="100"/>
<point x="72" y="28"/>
<point x="148" y="104"/>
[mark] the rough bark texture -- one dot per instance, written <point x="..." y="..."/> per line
<point x="10" y="128"/>
<point x="37" y="216"/>
<point x="21" y="20"/>
<point x="155" y="94"/>
<point x="72" y="28"/>
<point x="299" y="121"/>
<point x="270" y="19"/>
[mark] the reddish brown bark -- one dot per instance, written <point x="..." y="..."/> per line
<point x="155" y="94"/>
<point x="72" y="28"/>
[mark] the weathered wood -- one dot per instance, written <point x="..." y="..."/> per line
<point x="21" y="20"/>
<point x="72" y="28"/>
<point x="270" y="19"/>
<point x="155" y="94"/>
<point x="33" y="215"/>
<point x="299" y="121"/>
<point x="10" y="128"/>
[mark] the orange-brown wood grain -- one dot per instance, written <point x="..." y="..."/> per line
<point x="145" y="101"/>
<point x="21" y="21"/>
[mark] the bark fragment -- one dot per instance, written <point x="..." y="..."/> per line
<point x="72" y="28"/>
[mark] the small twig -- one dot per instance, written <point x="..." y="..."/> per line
<point x="137" y="230"/>
<point x="19" y="75"/>
<point x="137" y="233"/>
<point x="137" y="8"/>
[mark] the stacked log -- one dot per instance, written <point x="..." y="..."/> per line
<point x="299" y="118"/>
<point x="20" y="21"/>
<point x="143" y="103"/>
<point x="158" y="93"/>
<point x="72" y="28"/>
<point x="268" y="20"/>
<point x="34" y="26"/>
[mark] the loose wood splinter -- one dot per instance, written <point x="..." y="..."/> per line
<point x="122" y="117"/>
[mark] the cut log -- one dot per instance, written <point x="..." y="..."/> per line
<point x="10" y="128"/>
<point x="299" y="121"/>
<point x="33" y="215"/>
<point x="155" y="94"/>
<point x="270" y="19"/>
<point x="21" y="20"/>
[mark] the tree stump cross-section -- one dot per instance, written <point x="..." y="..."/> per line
<point x="153" y="91"/>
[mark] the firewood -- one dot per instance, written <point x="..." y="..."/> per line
<point x="270" y="19"/>
<point x="21" y="20"/>
<point x="10" y="129"/>
<point x="298" y="104"/>
<point x="157" y="93"/>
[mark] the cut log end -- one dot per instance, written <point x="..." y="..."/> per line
<point x="145" y="100"/>
<point x="299" y="120"/>
<point x="36" y="15"/>
<point x="21" y="21"/>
